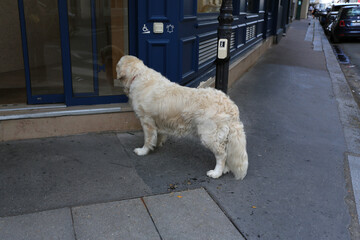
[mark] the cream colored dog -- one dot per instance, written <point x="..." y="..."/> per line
<point x="166" y="108"/>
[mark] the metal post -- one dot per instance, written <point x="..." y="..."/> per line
<point x="224" y="37"/>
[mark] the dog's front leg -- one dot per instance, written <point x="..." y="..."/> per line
<point x="150" y="136"/>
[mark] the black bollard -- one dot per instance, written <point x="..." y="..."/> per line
<point x="224" y="36"/>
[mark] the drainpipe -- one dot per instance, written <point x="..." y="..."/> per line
<point x="223" y="54"/>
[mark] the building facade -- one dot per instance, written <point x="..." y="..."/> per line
<point x="65" y="51"/>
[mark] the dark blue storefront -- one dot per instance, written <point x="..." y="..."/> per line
<point x="177" y="38"/>
<point x="186" y="53"/>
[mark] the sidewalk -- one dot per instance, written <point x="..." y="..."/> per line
<point x="298" y="184"/>
<point x="184" y="215"/>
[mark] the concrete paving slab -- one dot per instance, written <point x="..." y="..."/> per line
<point x="190" y="215"/>
<point x="317" y="37"/>
<point x="54" y="224"/>
<point x="51" y="173"/>
<point x="126" y="219"/>
<point x="310" y="32"/>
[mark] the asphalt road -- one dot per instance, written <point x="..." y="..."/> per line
<point x="352" y="50"/>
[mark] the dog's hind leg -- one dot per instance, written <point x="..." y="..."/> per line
<point x="217" y="145"/>
<point x="161" y="139"/>
<point x="226" y="169"/>
<point x="214" y="137"/>
<point x="220" y="155"/>
<point x="150" y="136"/>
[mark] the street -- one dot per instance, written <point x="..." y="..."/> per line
<point x="303" y="144"/>
<point x="345" y="74"/>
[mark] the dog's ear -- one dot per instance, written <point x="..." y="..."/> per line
<point x="121" y="68"/>
<point x="119" y="75"/>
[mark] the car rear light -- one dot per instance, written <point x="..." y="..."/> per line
<point x="342" y="23"/>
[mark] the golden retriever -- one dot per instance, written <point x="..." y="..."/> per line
<point x="166" y="108"/>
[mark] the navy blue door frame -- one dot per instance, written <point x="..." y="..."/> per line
<point x="32" y="99"/>
<point x="68" y="97"/>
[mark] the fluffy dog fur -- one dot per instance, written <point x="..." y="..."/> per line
<point x="166" y="108"/>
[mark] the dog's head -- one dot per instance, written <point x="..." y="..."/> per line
<point x="128" y="68"/>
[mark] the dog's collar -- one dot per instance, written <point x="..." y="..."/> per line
<point x="133" y="79"/>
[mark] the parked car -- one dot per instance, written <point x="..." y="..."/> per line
<point x="322" y="14"/>
<point x="333" y="12"/>
<point x="346" y="24"/>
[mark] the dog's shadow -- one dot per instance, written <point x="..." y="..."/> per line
<point x="177" y="159"/>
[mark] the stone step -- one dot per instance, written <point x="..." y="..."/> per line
<point x="26" y="122"/>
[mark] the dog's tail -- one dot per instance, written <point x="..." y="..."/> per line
<point x="237" y="158"/>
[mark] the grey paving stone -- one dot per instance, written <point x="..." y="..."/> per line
<point x="52" y="173"/>
<point x="127" y="219"/>
<point x="54" y="224"/>
<point x="190" y="215"/>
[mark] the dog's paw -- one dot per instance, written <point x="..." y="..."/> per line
<point x="213" y="174"/>
<point x="141" y="151"/>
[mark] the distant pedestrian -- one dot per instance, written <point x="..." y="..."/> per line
<point x="311" y="9"/>
<point x="314" y="13"/>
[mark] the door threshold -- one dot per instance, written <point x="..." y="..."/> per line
<point x="57" y="110"/>
<point x="21" y="107"/>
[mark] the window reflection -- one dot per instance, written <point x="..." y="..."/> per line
<point x="101" y="52"/>
<point x="209" y="6"/>
<point x="44" y="49"/>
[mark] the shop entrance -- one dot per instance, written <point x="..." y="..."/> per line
<point x="63" y="52"/>
<point x="96" y="39"/>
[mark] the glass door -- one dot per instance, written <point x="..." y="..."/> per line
<point x="40" y="32"/>
<point x="98" y="37"/>
<point x="71" y="49"/>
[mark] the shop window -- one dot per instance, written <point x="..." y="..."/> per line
<point x="251" y="6"/>
<point x="269" y="5"/>
<point x="261" y="5"/>
<point x="209" y="6"/>
<point x="111" y="43"/>
<point x="242" y="6"/>
<point x="12" y="75"/>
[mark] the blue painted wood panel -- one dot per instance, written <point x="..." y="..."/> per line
<point x="159" y="51"/>
<point x="158" y="55"/>
<point x="188" y="51"/>
<point x="157" y="10"/>
<point x="188" y="9"/>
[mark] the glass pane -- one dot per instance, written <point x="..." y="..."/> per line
<point x="81" y="46"/>
<point x="250" y="6"/>
<point x="43" y="38"/>
<point x="208" y="6"/>
<point x="112" y="42"/>
<point x="12" y="76"/>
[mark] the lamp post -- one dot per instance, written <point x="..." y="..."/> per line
<point x="223" y="54"/>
